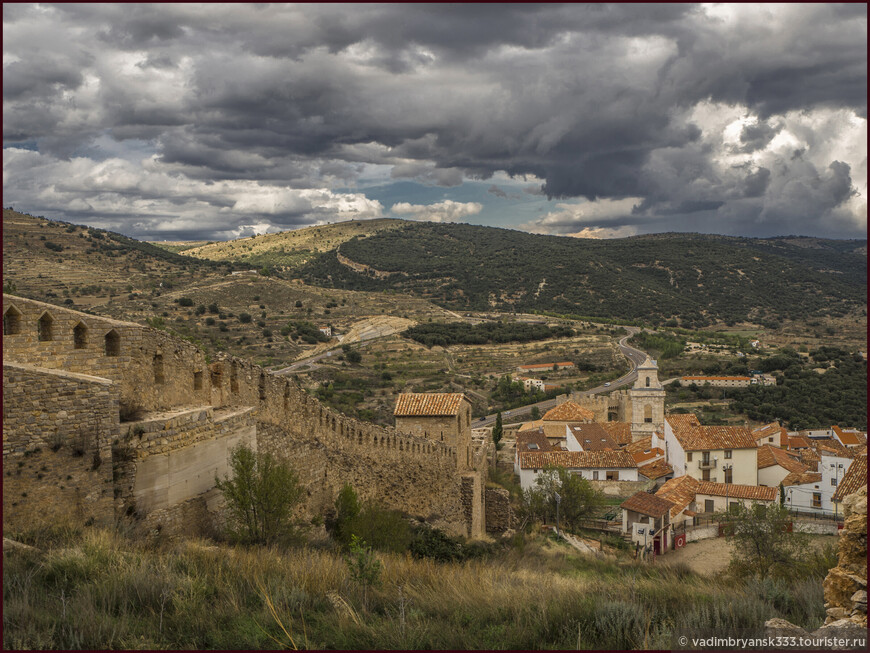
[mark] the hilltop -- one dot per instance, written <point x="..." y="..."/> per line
<point x="288" y="249"/>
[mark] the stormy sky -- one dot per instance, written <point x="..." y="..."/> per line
<point x="171" y="122"/>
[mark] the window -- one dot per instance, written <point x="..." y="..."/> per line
<point x="732" y="506"/>
<point x="80" y="336"/>
<point x="44" y="328"/>
<point x="113" y="343"/>
<point x="647" y="382"/>
<point x="612" y="476"/>
<point x="688" y="456"/>
<point x="708" y="505"/>
<point x="728" y="476"/>
<point x="834" y="482"/>
<point x="728" y="454"/>
<point x="532" y="446"/>
<point x="11" y="322"/>
<point x="647" y="414"/>
<point x="595" y="475"/>
<point x="817" y="499"/>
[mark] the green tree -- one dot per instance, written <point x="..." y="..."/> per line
<point x="578" y="498"/>
<point x="497" y="431"/>
<point x="364" y="567"/>
<point x="347" y="507"/>
<point x="535" y="413"/>
<point x="761" y="543"/>
<point x="260" y="495"/>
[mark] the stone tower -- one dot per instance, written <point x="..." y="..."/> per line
<point x="647" y="401"/>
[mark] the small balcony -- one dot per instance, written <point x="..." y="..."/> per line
<point x="707" y="463"/>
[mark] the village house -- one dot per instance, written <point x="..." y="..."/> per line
<point x="554" y="421"/>
<point x="619" y="431"/>
<point x="646" y="518"/>
<point x="441" y="417"/>
<point x="588" y="437"/>
<point x="854" y="479"/>
<point x="591" y="465"/>
<point x="530" y="441"/>
<point x="718" y="497"/>
<point x="849" y="437"/>
<point x="803" y="491"/>
<point x="681" y="491"/>
<point x="774" y="464"/>
<point x="726" y="454"/>
<point x="659" y="471"/>
<point x="530" y="383"/>
<point x="326" y="330"/>
<point x="771" y="433"/>
<point x="646" y="451"/>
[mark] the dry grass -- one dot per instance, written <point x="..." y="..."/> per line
<point x="98" y="589"/>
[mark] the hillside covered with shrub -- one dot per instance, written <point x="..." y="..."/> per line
<point x="697" y="279"/>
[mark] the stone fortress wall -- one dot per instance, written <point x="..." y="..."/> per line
<point x="194" y="412"/>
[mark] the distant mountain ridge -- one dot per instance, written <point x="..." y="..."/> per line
<point x="697" y="278"/>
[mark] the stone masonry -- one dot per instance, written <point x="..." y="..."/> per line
<point x="193" y="412"/>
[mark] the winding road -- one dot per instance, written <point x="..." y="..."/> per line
<point x="634" y="356"/>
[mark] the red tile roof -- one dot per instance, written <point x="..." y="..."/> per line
<point x="801" y="478"/>
<point x="853" y="480"/>
<point x="619" y="431"/>
<point x="647" y="504"/>
<point x="428" y="404"/>
<point x="532" y="437"/>
<point x="798" y="442"/>
<point x="576" y="459"/>
<point x="768" y="456"/>
<point x="681" y="421"/>
<point x="680" y="491"/>
<point x="701" y="438"/>
<point x="655" y="470"/>
<point x="642" y="450"/>
<point x="773" y="429"/>
<point x="732" y="490"/>
<point x="849" y="438"/>
<point x="568" y="412"/>
<point x="591" y="437"/>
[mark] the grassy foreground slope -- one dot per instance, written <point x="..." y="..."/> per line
<point x="697" y="279"/>
<point x="96" y="589"/>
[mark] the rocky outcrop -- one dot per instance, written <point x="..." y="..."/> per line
<point x="846" y="584"/>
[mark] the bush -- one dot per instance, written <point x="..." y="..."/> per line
<point x="432" y="543"/>
<point x="185" y="301"/>
<point x="260" y="497"/>
<point x="245" y="318"/>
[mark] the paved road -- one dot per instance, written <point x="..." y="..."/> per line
<point x="634" y="356"/>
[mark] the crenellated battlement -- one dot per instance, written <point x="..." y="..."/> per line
<point x="186" y="405"/>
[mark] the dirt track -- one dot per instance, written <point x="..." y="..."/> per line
<point x="712" y="556"/>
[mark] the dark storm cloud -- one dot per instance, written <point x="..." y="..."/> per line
<point x="596" y="101"/>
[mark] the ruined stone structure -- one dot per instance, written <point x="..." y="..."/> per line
<point x="70" y="378"/>
<point x="846" y="584"/>
<point x="611" y="407"/>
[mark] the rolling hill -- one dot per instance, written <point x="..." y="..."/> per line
<point x="693" y="278"/>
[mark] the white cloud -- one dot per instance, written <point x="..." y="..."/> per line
<point x="569" y="217"/>
<point x="144" y="198"/>
<point x="446" y="211"/>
